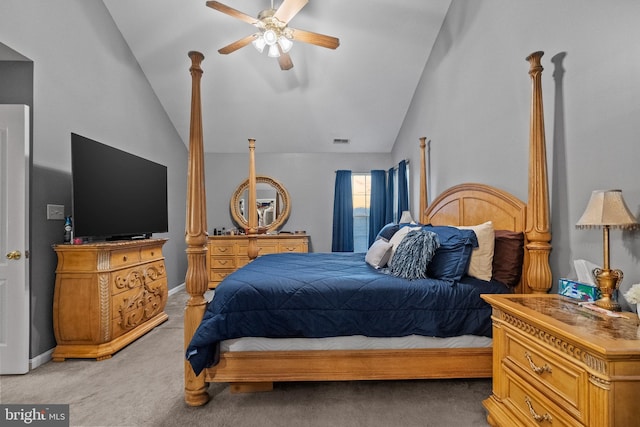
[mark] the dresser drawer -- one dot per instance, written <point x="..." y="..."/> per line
<point x="222" y="248"/>
<point x="292" y="246"/>
<point x="124" y="257"/>
<point x="264" y="248"/>
<point x="532" y="408"/>
<point x="149" y="254"/>
<point x="218" y="275"/>
<point x="223" y="262"/>
<point x="562" y="381"/>
<point x="126" y="278"/>
<point x="131" y="308"/>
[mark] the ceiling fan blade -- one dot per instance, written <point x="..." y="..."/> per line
<point x="315" y="38"/>
<point x="288" y="9"/>
<point x="236" y="45"/>
<point x="285" y="61"/>
<point x="232" y="12"/>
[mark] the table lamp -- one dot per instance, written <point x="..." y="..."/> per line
<point x="607" y="209"/>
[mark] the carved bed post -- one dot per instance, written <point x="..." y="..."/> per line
<point x="423" y="179"/>
<point x="195" y="390"/>
<point x="252" y="231"/>
<point x="538" y="232"/>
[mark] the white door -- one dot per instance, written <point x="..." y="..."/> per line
<point x="14" y="262"/>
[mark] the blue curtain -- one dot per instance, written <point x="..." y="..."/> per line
<point x="342" y="213"/>
<point x="389" y="198"/>
<point x="377" y="205"/>
<point x="403" y="190"/>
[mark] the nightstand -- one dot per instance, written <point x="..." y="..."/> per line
<point x="556" y="363"/>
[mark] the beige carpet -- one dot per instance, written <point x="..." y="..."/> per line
<point x="142" y="385"/>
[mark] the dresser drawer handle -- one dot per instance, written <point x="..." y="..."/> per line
<point x="537" y="369"/>
<point x="537" y="417"/>
<point x="290" y="249"/>
<point x="222" y="249"/>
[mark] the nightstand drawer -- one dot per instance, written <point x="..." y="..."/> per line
<point x="532" y="408"/>
<point x="562" y="381"/>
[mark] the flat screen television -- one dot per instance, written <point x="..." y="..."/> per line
<point x="116" y="195"/>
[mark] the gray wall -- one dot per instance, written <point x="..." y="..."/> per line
<point x="87" y="81"/>
<point x="473" y="103"/>
<point x="309" y="179"/>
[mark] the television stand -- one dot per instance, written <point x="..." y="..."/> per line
<point x="107" y="295"/>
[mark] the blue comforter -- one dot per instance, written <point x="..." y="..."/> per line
<point x="318" y="295"/>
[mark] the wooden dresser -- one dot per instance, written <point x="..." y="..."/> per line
<point x="228" y="253"/>
<point x="107" y="295"/>
<point x="556" y="363"/>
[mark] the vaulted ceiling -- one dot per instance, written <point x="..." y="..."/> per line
<point x="361" y="91"/>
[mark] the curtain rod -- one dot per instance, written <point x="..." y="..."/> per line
<point x="395" y="168"/>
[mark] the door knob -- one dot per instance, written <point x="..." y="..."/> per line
<point x="14" y="255"/>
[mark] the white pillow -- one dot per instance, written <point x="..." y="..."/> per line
<point x="378" y="254"/>
<point x="398" y="236"/>
<point x="481" y="264"/>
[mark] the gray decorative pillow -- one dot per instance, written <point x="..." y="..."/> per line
<point x="378" y="254"/>
<point x="413" y="254"/>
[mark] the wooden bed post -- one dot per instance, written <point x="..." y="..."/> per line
<point x="252" y="231"/>
<point x="538" y="232"/>
<point x="423" y="179"/>
<point x="196" y="280"/>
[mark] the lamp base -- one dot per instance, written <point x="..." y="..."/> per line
<point x="608" y="304"/>
<point x="608" y="281"/>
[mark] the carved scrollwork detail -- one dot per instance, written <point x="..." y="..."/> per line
<point x="141" y="307"/>
<point x="132" y="279"/>
<point x="154" y="272"/>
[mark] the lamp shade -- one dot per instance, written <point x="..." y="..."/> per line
<point x="406" y="218"/>
<point x="607" y="208"/>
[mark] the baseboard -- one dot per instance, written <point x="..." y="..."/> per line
<point x="45" y="357"/>
<point x="40" y="359"/>
<point x="177" y="289"/>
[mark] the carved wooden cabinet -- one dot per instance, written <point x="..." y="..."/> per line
<point x="228" y="253"/>
<point x="107" y="295"/>
<point x="556" y="363"/>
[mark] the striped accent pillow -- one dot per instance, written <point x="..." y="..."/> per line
<point x="415" y="251"/>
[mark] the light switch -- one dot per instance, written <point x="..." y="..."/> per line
<point x="55" y="212"/>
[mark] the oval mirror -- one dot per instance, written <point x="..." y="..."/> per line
<point x="272" y="201"/>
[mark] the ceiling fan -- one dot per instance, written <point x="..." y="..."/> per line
<point x="274" y="32"/>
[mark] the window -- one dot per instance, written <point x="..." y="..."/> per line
<point x="361" y="190"/>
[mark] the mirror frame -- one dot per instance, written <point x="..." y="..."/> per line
<point x="282" y="192"/>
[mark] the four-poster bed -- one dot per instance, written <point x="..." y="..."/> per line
<point x="466" y="204"/>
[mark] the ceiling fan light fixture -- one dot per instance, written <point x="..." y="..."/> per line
<point x="270" y="37"/>
<point x="285" y="44"/>
<point x="259" y="43"/>
<point x="274" y="52"/>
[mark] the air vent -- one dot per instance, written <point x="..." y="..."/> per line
<point x="340" y="141"/>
